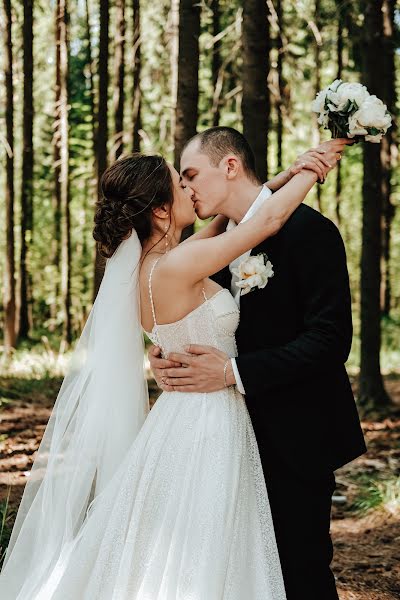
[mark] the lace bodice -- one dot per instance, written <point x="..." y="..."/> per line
<point x="212" y="323"/>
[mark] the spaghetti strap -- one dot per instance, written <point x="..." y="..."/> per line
<point x="204" y="294"/>
<point x="151" y="292"/>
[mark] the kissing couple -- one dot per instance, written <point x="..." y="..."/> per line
<point x="223" y="490"/>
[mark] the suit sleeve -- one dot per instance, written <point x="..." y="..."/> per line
<point x="319" y="265"/>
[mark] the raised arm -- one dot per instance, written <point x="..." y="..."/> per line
<point x="215" y="227"/>
<point x="201" y="258"/>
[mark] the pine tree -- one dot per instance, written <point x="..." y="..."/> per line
<point x="102" y="131"/>
<point x="9" y="276"/>
<point x="137" y="65"/>
<point x="119" y="67"/>
<point x="27" y="175"/>
<point x="256" y="64"/>
<point x="372" y="392"/>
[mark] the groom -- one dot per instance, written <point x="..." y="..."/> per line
<point x="293" y="339"/>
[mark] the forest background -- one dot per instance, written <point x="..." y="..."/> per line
<point x="83" y="82"/>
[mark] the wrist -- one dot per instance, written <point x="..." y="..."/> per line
<point x="308" y="175"/>
<point x="229" y="376"/>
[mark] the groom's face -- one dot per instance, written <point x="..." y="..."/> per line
<point x="208" y="182"/>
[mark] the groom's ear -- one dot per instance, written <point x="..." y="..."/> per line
<point x="231" y="166"/>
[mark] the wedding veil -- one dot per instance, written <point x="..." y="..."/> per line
<point x="100" y="408"/>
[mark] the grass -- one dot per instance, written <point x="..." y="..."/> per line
<point x="376" y="493"/>
<point x="6" y="522"/>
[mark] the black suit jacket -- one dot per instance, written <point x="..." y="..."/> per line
<point x="293" y="339"/>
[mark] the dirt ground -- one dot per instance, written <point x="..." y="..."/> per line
<point x="367" y="548"/>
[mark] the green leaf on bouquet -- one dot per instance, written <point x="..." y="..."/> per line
<point x="350" y="108"/>
<point x="373" y="131"/>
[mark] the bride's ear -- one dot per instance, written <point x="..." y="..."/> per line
<point x="162" y="212"/>
<point x="162" y="215"/>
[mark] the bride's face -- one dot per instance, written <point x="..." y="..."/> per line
<point x="182" y="210"/>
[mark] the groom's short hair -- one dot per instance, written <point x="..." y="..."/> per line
<point x="217" y="142"/>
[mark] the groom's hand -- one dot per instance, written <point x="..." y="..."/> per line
<point x="158" y="364"/>
<point x="202" y="370"/>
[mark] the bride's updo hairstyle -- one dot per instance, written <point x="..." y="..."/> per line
<point x="130" y="189"/>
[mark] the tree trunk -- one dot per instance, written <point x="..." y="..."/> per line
<point x="9" y="267"/>
<point x="102" y="131"/>
<point x="372" y="392"/>
<point x="339" y="55"/>
<point x="216" y="62"/>
<point x="317" y="61"/>
<point x="56" y="198"/>
<point x="188" y="75"/>
<point x="174" y="54"/>
<point x="256" y="64"/>
<point x="119" y="92"/>
<point x="281" y="92"/>
<point x="388" y="148"/>
<point x="90" y="73"/>
<point x="188" y="80"/>
<point x="137" y="64"/>
<point x="63" y="24"/>
<point x="25" y="315"/>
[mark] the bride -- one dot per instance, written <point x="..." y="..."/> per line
<point x="171" y="504"/>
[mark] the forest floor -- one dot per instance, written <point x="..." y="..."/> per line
<point x="367" y="544"/>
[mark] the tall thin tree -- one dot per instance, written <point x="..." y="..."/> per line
<point x="137" y="65"/>
<point x="281" y="84"/>
<point x="102" y="114"/>
<point x="63" y="25"/>
<point x="339" y="57"/>
<point x="56" y="196"/>
<point x="188" y="80"/>
<point x="256" y="104"/>
<point x="316" y="27"/>
<point x="9" y="270"/>
<point x="174" y="54"/>
<point x="89" y="62"/>
<point x="119" y="91"/>
<point x="372" y="392"/>
<point x="216" y="61"/>
<point x="388" y="149"/>
<point x="188" y="75"/>
<point x="25" y="316"/>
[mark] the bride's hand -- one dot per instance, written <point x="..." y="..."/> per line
<point x="321" y="159"/>
<point x="313" y="160"/>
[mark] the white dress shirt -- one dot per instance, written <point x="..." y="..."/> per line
<point x="263" y="195"/>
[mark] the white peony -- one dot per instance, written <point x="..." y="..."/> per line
<point x="323" y="119"/>
<point x="353" y="92"/>
<point x="253" y="272"/>
<point x="373" y="113"/>
<point x="374" y="138"/>
<point x="318" y="105"/>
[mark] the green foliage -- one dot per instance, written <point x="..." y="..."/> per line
<point x="6" y="523"/>
<point x="377" y="493"/>
<point x="299" y="74"/>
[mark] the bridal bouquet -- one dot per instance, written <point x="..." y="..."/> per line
<point x="349" y="110"/>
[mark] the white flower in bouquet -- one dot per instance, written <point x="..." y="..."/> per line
<point x="371" y="115"/>
<point x="348" y="110"/>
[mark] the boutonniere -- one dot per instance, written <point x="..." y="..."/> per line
<point x="253" y="272"/>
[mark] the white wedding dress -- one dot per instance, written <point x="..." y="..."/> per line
<point x="186" y="515"/>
